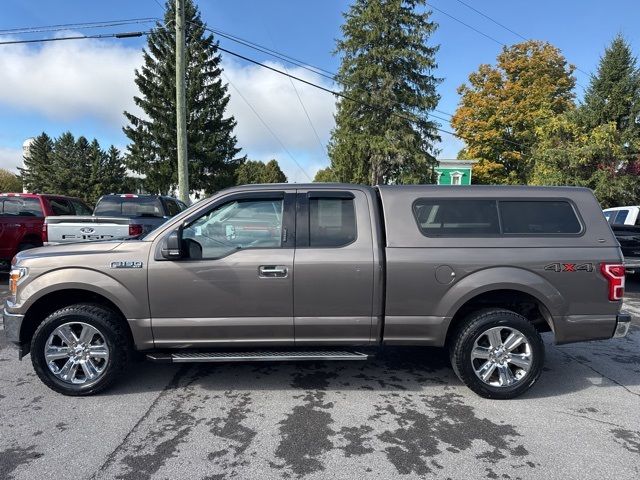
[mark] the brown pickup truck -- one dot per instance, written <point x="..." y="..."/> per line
<point x="329" y="272"/>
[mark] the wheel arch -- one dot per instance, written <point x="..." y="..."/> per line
<point x="55" y="300"/>
<point x="519" y="290"/>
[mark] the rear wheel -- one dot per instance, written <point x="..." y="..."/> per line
<point x="80" y="349"/>
<point x="497" y="354"/>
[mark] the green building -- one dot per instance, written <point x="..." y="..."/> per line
<point x="454" y="172"/>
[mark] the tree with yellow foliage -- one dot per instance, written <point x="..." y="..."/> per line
<point x="501" y="107"/>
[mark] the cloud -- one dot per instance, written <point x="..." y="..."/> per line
<point x="10" y="158"/>
<point x="68" y="80"/>
<point x="274" y="99"/>
<point x="94" y="79"/>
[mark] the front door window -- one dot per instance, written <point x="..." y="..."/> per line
<point x="237" y="225"/>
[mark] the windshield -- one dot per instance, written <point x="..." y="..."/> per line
<point x="20" y="207"/>
<point x="129" y="207"/>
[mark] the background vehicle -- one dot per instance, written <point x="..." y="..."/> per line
<point x="22" y="218"/>
<point x="625" y="223"/>
<point x="115" y="216"/>
<point x="325" y="271"/>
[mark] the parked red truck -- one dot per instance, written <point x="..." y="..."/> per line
<point x="22" y="220"/>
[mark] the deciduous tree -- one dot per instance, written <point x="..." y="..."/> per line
<point x="9" y="182"/>
<point x="501" y="106"/>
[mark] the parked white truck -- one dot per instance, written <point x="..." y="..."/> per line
<point x="115" y="216"/>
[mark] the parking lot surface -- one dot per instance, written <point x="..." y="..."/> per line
<point x="404" y="414"/>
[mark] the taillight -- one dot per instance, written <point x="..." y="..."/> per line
<point x="45" y="233"/>
<point x="614" y="273"/>
<point x="135" y="230"/>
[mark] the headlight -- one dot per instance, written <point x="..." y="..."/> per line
<point x="14" y="276"/>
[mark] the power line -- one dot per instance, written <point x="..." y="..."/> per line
<point x="79" y="37"/>
<point x="273" y="134"/>
<point x="76" y="26"/>
<point x="493" y="20"/>
<point x="304" y="109"/>
<point x="347" y="97"/>
<point x="275" y="54"/>
<point x="504" y="27"/>
<point x="285" y="58"/>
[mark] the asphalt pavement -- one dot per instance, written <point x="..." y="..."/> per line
<point x="404" y="415"/>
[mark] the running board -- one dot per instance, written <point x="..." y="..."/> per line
<point x="256" y="356"/>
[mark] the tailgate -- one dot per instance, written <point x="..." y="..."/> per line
<point x="68" y="229"/>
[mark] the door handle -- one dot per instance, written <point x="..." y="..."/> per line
<point x="271" y="271"/>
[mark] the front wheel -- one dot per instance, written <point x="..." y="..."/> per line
<point x="80" y="349"/>
<point x="497" y="354"/>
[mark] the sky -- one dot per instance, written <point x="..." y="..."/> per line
<point x="84" y="86"/>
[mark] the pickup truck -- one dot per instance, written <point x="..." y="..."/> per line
<point x="22" y="219"/>
<point x="329" y="272"/>
<point x="625" y="223"/>
<point x="115" y="216"/>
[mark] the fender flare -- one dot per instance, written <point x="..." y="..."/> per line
<point x="503" y="278"/>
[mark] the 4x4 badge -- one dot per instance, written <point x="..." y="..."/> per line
<point x="569" y="267"/>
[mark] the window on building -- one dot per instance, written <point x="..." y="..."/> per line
<point x="456" y="178"/>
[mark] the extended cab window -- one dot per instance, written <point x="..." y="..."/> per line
<point x="332" y="222"/>
<point x="539" y="217"/>
<point x="233" y="226"/>
<point x="451" y="217"/>
<point x="20" y="207"/>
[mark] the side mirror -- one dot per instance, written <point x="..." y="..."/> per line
<point x="172" y="245"/>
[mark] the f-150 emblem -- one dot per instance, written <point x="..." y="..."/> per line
<point x="126" y="264"/>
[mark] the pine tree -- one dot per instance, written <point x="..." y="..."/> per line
<point x="212" y="147"/>
<point x="614" y="93"/>
<point x="252" y="171"/>
<point x="37" y="169"/>
<point x="273" y="173"/>
<point x="386" y="136"/>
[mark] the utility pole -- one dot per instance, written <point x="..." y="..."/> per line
<point x="181" y="107"/>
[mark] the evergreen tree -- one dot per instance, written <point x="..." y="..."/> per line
<point x="387" y="65"/>
<point x="37" y="169"/>
<point x="211" y="144"/>
<point x="252" y="171"/>
<point x="77" y="168"/>
<point x="614" y="93"/>
<point x="273" y="173"/>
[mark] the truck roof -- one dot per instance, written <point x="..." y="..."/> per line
<point x="471" y="190"/>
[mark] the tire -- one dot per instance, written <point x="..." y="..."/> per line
<point x="473" y="350"/>
<point x="111" y="337"/>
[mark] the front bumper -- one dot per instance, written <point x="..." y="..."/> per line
<point x="623" y="322"/>
<point x="12" y="323"/>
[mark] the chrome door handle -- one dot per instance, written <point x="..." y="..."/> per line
<point x="271" y="271"/>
